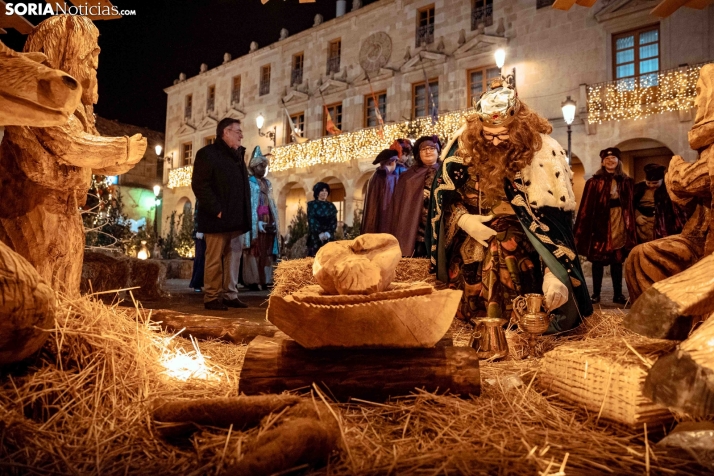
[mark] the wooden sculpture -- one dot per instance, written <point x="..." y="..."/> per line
<point x="30" y="94"/>
<point x="683" y="291"/>
<point x="45" y="172"/>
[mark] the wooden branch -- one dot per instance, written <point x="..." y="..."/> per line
<point x="236" y="330"/>
<point x="684" y="379"/>
<point x="276" y="364"/>
<point x="670" y="307"/>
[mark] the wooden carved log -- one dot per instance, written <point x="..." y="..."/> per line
<point x="276" y="364"/>
<point x="27" y="308"/>
<point x="684" y="379"/>
<point x="670" y="307"/>
<point x="235" y="329"/>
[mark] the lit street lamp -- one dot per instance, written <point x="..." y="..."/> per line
<point x="158" y="149"/>
<point x="568" y="107"/>
<point x="259" y="121"/>
<point x="500" y="56"/>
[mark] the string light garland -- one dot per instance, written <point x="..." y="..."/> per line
<point x="644" y="95"/>
<point x="180" y="177"/>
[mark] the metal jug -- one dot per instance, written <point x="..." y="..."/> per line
<point x="489" y="338"/>
<point x="531" y="319"/>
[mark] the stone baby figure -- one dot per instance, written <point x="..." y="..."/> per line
<point x="504" y="153"/>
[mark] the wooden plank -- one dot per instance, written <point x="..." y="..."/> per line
<point x="586" y="3"/>
<point x="16" y="22"/>
<point x="666" y="7"/>
<point x="563" y="4"/>
<point x="698" y="4"/>
<point x="670" y="307"/>
<point x="273" y="365"/>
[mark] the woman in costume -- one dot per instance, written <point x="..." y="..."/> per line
<point x="260" y="244"/>
<point x="605" y="228"/>
<point x="321" y="218"/>
<point x="412" y="195"/>
<point x="377" y="211"/>
<point x="504" y="154"/>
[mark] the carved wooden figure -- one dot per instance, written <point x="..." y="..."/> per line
<point x="30" y="94"/>
<point x="45" y="172"/>
<point x="659" y="259"/>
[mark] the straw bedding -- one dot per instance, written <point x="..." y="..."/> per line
<point x="83" y="407"/>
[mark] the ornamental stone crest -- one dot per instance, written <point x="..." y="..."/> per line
<point x="375" y="52"/>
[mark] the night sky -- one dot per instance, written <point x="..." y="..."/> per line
<point x="143" y="54"/>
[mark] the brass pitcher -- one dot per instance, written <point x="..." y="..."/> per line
<point x="489" y="338"/>
<point x="530" y="317"/>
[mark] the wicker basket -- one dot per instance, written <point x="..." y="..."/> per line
<point x="606" y="377"/>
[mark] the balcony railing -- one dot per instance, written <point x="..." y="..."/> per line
<point x="333" y="64"/>
<point x="264" y="87"/>
<point x="644" y="95"/>
<point x="235" y="96"/>
<point x="187" y="112"/>
<point x="425" y="35"/>
<point x="296" y="76"/>
<point x="482" y="14"/>
<point x="210" y="104"/>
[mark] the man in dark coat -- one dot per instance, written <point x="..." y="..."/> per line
<point x="377" y="212"/>
<point x="410" y="203"/>
<point x="655" y="214"/>
<point x="220" y="183"/>
<point x="605" y="226"/>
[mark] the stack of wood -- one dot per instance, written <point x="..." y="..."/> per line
<point x="357" y="333"/>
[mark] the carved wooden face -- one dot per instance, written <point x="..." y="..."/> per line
<point x="33" y="94"/>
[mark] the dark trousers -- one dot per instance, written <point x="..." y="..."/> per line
<point x="615" y="273"/>
<point x="199" y="261"/>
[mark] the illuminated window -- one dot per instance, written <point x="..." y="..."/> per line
<point x="209" y="140"/>
<point x="299" y="122"/>
<point x="186" y="153"/>
<point x="335" y="111"/>
<point x="636" y="54"/>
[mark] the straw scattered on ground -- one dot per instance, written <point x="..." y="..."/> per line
<point x="83" y="407"/>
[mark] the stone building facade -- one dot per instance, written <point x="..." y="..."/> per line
<point x="555" y="54"/>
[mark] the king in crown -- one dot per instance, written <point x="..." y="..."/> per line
<point x="500" y="217"/>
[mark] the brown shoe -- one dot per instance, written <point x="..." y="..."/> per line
<point x="215" y="305"/>
<point x="234" y="303"/>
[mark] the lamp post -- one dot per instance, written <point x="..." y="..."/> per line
<point x="568" y="107"/>
<point x="259" y="121"/>
<point x="500" y="57"/>
<point x="157" y="202"/>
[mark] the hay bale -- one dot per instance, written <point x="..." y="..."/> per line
<point x="607" y="376"/>
<point x="150" y="275"/>
<point x="291" y="275"/>
<point x="27" y="307"/>
<point x="178" y="268"/>
<point x="101" y="272"/>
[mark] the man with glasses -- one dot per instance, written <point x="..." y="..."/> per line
<point x="220" y="183"/>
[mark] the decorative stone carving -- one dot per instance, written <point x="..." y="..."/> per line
<point x="356" y="4"/>
<point x="182" y="76"/>
<point x="441" y="47"/>
<point x="318" y="20"/>
<point x="253" y="46"/>
<point x="408" y="54"/>
<point x="362" y="266"/>
<point x="501" y="29"/>
<point x="283" y="34"/>
<point x="204" y="68"/>
<point x="51" y="168"/>
<point x="227" y="57"/>
<point x="462" y="37"/>
<point x="375" y="52"/>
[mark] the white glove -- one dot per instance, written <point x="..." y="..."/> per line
<point x="474" y="226"/>
<point x="322" y="236"/>
<point x="261" y="227"/>
<point x="327" y="235"/>
<point x="556" y="293"/>
<point x="199" y="235"/>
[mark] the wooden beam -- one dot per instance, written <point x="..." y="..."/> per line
<point x="16" y="22"/>
<point x="586" y="3"/>
<point x="698" y="4"/>
<point x="563" y="4"/>
<point x="666" y="7"/>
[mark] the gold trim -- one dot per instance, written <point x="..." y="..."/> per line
<point x="447" y="185"/>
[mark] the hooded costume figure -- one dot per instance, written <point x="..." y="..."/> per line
<point x="404" y="154"/>
<point x="605" y="227"/>
<point x="377" y="212"/>
<point x="260" y="244"/>
<point x="321" y="219"/>
<point x="504" y="153"/>
<point x="410" y="204"/>
<point x="655" y="214"/>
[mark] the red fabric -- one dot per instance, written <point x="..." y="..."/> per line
<point x="592" y="226"/>
<point x="407" y="207"/>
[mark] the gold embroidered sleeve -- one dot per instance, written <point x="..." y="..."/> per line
<point x="457" y="211"/>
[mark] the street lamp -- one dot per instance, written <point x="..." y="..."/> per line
<point x="500" y="56"/>
<point x="157" y="202"/>
<point x="568" y="107"/>
<point x="158" y="149"/>
<point x="259" y="121"/>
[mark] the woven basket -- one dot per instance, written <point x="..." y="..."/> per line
<point x="606" y="377"/>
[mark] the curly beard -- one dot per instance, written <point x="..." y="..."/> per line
<point x="493" y="163"/>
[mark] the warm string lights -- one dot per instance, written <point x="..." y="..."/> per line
<point x="364" y="143"/>
<point x="643" y="96"/>
<point x="180" y="177"/>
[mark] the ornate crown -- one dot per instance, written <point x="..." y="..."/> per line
<point x="499" y="105"/>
